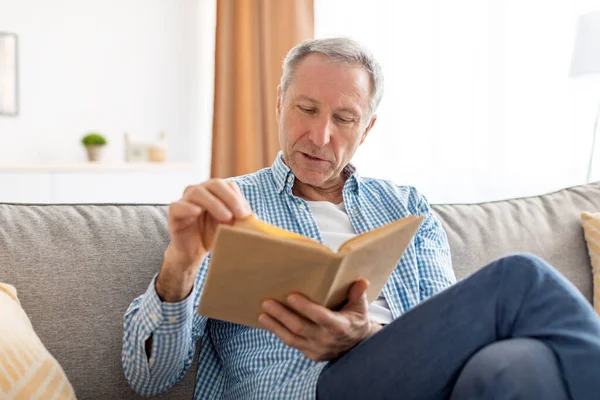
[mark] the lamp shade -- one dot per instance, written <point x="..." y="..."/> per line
<point x="586" y="53"/>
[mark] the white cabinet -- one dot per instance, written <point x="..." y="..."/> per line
<point x="24" y="188"/>
<point x="97" y="183"/>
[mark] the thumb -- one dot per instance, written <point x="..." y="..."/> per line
<point x="357" y="294"/>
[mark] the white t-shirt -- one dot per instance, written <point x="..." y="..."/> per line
<point x="336" y="228"/>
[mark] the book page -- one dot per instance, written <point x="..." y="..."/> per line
<point x="374" y="259"/>
<point x="254" y="224"/>
<point x="370" y="235"/>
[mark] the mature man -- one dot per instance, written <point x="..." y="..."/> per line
<point x="516" y="329"/>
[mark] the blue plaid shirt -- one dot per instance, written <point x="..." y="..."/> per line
<point x="239" y="362"/>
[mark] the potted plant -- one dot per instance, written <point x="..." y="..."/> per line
<point x="93" y="143"/>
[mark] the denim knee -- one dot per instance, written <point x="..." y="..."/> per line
<point x="522" y="266"/>
<point x="526" y="260"/>
<point x="511" y="369"/>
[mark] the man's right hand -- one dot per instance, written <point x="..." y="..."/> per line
<point x="193" y="222"/>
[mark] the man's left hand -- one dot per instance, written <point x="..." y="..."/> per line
<point x="319" y="333"/>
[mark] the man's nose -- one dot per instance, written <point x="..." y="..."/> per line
<point x="320" y="133"/>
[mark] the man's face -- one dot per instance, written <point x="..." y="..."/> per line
<point x="323" y="118"/>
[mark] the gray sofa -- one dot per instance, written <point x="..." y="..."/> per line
<point x="77" y="267"/>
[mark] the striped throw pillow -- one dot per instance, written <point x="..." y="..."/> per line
<point x="591" y="229"/>
<point x="27" y="369"/>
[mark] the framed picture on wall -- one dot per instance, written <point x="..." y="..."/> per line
<point x="9" y="95"/>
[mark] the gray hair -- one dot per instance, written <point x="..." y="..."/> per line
<point x="340" y="50"/>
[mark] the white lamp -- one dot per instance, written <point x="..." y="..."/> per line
<point x="586" y="60"/>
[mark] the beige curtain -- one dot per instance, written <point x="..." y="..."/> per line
<point x="252" y="39"/>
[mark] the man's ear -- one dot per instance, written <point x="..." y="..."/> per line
<point x="368" y="128"/>
<point x="278" y="106"/>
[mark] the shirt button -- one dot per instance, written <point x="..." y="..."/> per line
<point x="154" y="318"/>
<point x="173" y="320"/>
<point x="302" y="207"/>
<point x="290" y="179"/>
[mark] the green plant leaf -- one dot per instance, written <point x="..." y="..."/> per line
<point x="92" y="139"/>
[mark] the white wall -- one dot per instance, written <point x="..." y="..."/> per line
<point x="206" y="30"/>
<point x="478" y="101"/>
<point x="108" y="65"/>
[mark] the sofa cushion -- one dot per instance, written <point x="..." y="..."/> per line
<point x="27" y="369"/>
<point x="77" y="268"/>
<point x="591" y="228"/>
<point x="547" y="225"/>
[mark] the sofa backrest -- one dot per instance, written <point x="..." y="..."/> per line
<point x="78" y="267"/>
<point x="548" y="226"/>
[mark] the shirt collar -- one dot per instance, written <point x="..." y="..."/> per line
<point x="284" y="177"/>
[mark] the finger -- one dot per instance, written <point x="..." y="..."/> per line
<point x="182" y="214"/>
<point x="207" y="226"/>
<point x="287" y="337"/>
<point x="237" y="189"/>
<point x="358" y="291"/>
<point x="204" y="198"/>
<point x="241" y="194"/>
<point x="184" y="210"/>
<point x="290" y="320"/>
<point x="234" y="200"/>
<point x="319" y="315"/>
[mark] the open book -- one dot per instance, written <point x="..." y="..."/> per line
<point x="252" y="261"/>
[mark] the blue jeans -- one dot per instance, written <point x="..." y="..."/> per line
<point x="516" y="329"/>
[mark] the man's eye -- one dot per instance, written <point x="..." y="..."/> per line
<point x="344" y="120"/>
<point x="307" y="110"/>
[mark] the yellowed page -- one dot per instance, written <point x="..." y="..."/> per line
<point x="254" y="224"/>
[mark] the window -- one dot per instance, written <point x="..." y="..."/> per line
<point x="478" y="104"/>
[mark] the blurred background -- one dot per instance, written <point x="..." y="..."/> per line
<point x="484" y="99"/>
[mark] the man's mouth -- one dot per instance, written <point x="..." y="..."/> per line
<point x="313" y="158"/>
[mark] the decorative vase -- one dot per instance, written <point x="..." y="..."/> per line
<point x="156" y="154"/>
<point x="94" y="152"/>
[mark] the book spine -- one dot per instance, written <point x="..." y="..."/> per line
<point x="328" y="286"/>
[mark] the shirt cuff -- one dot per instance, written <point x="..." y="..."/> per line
<point x="163" y="317"/>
